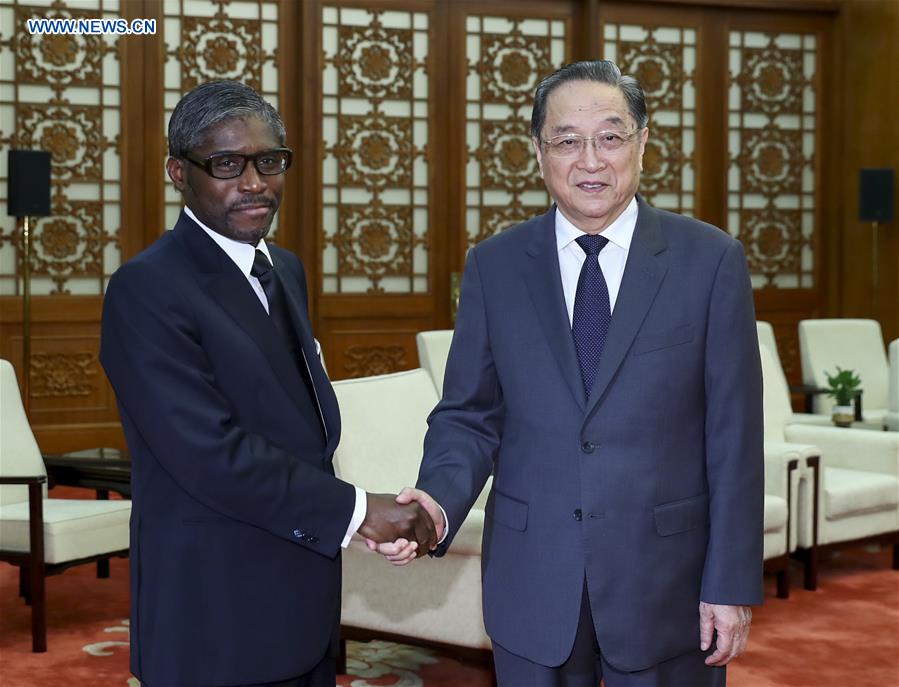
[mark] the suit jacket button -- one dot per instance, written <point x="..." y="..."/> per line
<point x="577" y="514"/>
<point x="313" y="540"/>
<point x="587" y="447"/>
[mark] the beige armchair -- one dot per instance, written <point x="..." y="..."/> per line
<point x="40" y="535"/>
<point x="849" y="490"/>
<point x="781" y="492"/>
<point x="429" y="601"/>
<point x="433" y="350"/>
<point x="850" y="344"/>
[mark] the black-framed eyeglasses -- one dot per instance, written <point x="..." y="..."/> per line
<point x="232" y="165"/>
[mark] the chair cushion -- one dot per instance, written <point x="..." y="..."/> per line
<point x="73" y="528"/>
<point x="848" y="492"/>
<point x="775" y="513"/>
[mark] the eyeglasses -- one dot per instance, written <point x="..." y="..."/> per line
<point x="574" y="145"/>
<point x="232" y="165"/>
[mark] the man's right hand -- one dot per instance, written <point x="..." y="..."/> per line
<point x="387" y="521"/>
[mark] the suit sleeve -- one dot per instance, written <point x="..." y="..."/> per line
<point x="154" y="357"/>
<point x="734" y="439"/>
<point x="465" y="428"/>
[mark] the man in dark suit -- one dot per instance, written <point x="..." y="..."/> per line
<point x="238" y="519"/>
<point x="605" y="369"/>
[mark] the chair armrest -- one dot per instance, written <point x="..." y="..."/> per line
<point x="780" y="460"/>
<point x="36" y="479"/>
<point x="854" y="449"/>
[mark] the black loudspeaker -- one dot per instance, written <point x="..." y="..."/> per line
<point x="29" y="183"/>
<point x="876" y="197"/>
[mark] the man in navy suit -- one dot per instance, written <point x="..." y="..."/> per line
<point x="605" y="370"/>
<point x="238" y="520"/>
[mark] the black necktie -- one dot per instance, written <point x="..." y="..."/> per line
<point x="592" y="312"/>
<point x="278" y="310"/>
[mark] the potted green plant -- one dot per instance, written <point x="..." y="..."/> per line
<point x="843" y="386"/>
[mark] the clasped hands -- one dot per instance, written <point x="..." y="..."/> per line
<point x="402" y="527"/>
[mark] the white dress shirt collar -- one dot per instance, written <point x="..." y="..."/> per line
<point x="241" y="253"/>
<point x="620" y="232"/>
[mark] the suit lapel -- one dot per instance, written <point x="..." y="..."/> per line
<point x="643" y="274"/>
<point x="324" y="393"/>
<point x="544" y="281"/>
<point x="228" y="286"/>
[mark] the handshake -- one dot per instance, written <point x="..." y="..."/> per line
<point x="404" y="526"/>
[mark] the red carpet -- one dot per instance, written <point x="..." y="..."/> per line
<point x="846" y="633"/>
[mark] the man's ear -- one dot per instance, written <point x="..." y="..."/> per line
<point x="175" y="169"/>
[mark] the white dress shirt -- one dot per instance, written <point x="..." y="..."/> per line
<point x="612" y="258"/>
<point x="243" y="255"/>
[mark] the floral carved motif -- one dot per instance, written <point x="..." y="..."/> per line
<point x="771" y="161"/>
<point x="375" y="62"/>
<point x="771" y="80"/>
<point x="659" y="69"/>
<point x="219" y="47"/>
<point x="663" y="161"/>
<point x="507" y="157"/>
<point x="71" y="133"/>
<point x="70" y="243"/>
<point x="375" y="241"/>
<point x="63" y="374"/>
<point x="366" y="361"/>
<point x="773" y="241"/>
<point x="374" y="151"/>
<point x="511" y="65"/>
<point x="59" y="60"/>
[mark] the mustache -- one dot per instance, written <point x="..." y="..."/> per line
<point x="252" y="201"/>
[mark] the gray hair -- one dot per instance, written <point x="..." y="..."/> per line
<point x="212" y="103"/>
<point x="601" y="71"/>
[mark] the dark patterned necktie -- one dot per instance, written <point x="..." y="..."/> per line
<point x="592" y="312"/>
<point x="278" y="310"/>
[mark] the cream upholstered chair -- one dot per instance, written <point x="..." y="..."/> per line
<point x="40" y="535"/>
<point x="891" y="419"/>
<point x="433" y="350"/>
<point x="431" y="601"/>
<point x="849" y="491"/>
<point x="781" y="492"/>
<point x="850" y="344"/>
<point x="766" y="338"/>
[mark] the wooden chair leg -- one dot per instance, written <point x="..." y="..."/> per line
<point x="810" y="576"/>
<point x="36" y="567"/>
<point x="783" y="584"/>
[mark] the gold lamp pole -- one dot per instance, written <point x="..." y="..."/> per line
<point x="26" y="315"/>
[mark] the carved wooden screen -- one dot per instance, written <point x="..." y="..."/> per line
<point x="217" y="39"/>
<point x="62" y="93"/>
<point x="375" y="169"/>
<point x="771" y="181"/>
<point x="663" y="59"/>
<point x="506" y="57"/>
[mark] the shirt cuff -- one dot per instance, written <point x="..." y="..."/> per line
<point x="358" y="516"/>
<point x="445" y="525"/>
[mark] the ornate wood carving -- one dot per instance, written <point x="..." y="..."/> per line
<point x="365" y="361"/>
<point x="63" y="374"/>
<point x="375" y="232"/>
<point x="506" y="57"/>
<point x="77" y="247"/>
<point x="771" y="199"/>
<point x="663" y="59"/>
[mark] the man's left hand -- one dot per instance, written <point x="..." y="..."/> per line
<point x="732" y="624"/>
